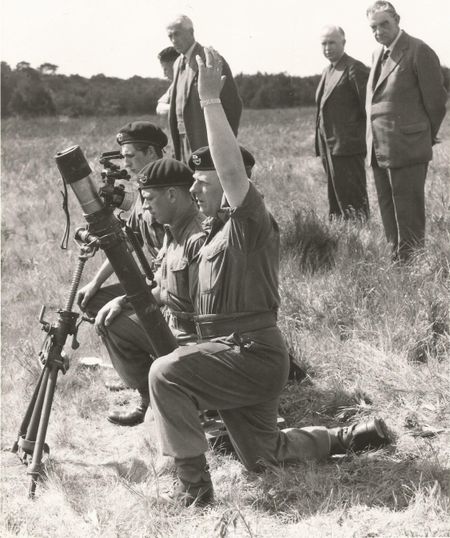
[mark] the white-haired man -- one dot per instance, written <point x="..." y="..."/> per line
<point x="341" y="127"/>
<point x="186" y="119"/>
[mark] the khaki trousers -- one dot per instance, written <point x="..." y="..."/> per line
<point x="127" y="344"/>
<point x="244" y="384"/>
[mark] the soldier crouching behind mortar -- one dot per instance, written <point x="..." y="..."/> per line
<point x="164" y="186"/>
<point x="241" y="364"/>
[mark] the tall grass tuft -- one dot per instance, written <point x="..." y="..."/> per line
<point x="309" y="241"/>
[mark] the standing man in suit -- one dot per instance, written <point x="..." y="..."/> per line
<point x="186" y="119"/>
<point x="341" y="126"/>
<point x="405" y="107"/>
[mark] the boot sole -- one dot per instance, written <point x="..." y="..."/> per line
<point x="120" y="423"/>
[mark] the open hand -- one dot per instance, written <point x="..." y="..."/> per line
<point x="210" y="78"/>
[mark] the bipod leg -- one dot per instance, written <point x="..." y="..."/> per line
<point x="26" y="419"/>
<point x="35" y="467"/>
<point x="27" y="441"/>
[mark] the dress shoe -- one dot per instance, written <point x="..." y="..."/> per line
<point x="365" y="435"/>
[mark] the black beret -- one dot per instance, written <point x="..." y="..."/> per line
<point x="142" y="132"/>
<point x="165" y="173"/>
<point x="201" y="159"/>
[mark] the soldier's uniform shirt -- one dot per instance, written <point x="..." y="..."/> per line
<point x="177" y="273"/>
<point x="126" y="341"/>
<point x="238" y="266"/>
<point x="149" y="232"/>
<point x="241" y="363"/>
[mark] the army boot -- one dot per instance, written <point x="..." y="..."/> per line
<point x="364" y="435"/>
<point x="194" y="482"/>
<point x="136" y="415"/>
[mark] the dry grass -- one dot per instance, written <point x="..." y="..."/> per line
<point x="372" y="338"/>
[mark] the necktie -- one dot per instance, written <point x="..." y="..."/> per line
<point x="380" y="66"/>
<point x="183" y="64"/>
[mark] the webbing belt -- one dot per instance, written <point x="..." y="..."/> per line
<point x="210" y="326"/>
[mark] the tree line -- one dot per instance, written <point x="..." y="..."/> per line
<point x="28" y="91"/>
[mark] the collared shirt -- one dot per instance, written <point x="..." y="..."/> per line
<point x="334" y="64"/>
<point x="177" y="274"/>
<point x="392" y="45"/>
<point x="150" y="233"/>
<point x="188" y="53"/>
<point x="239" y="262"/>
<point x="328" y="77"/>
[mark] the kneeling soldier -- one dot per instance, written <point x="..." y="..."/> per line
<point x="241" y="364"/>
<point x="164" y="187"/>
<point x="141" y="143"/>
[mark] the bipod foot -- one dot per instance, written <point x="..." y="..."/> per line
<point x="33" y="483"/>
<point x="37" y="470"/>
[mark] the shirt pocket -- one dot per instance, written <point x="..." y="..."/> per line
<point x="212" y="267"/>
<point x="178" y="278"/>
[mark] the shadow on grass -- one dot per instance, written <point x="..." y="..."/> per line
<point x="382" y="478"/>
<point x="373" y="479"/>
<point x="305" y="404"/>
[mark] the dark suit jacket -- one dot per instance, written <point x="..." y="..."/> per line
<point x="406" y="106"/>
<point x="194" y="120"/>
<point x="341" y="107"/>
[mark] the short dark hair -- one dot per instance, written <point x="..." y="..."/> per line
<point x="169" y="54"/>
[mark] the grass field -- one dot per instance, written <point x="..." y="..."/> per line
<point x="372" y="337"/>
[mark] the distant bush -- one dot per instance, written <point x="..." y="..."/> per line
<point x="276" y="91"/>
<point x="36" y="92"/>
<point x="24" y="92"/>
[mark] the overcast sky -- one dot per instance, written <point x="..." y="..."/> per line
<point x="122" y="37"/>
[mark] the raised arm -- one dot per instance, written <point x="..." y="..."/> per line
<point x="223" y="145"/>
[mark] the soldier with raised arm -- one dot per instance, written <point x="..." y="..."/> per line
<point x="241" y="364"/>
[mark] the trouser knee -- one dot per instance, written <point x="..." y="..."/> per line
<point x="160" y="376"/>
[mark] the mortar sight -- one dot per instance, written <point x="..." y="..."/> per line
<point x="76" y="172"/>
